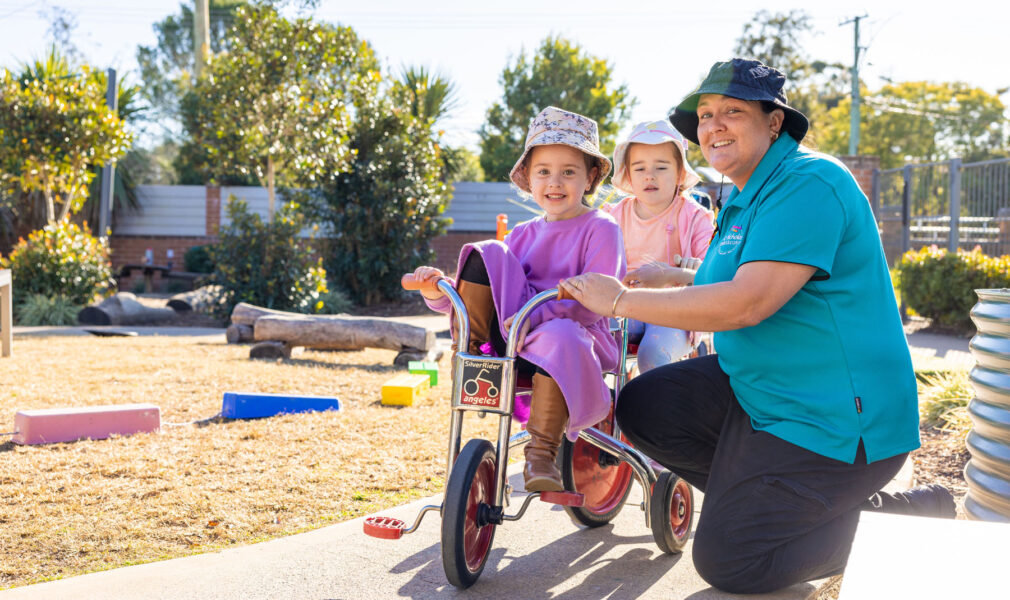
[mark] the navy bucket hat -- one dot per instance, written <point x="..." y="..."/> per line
<point x="744" y="79"/>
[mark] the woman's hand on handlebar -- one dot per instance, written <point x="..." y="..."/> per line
<point x="429" y="274"/>
<point x="595" y="291"/>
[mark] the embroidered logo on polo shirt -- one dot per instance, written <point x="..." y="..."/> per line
<point x="732" y="240"/>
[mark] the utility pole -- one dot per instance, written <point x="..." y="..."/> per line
<point x="107" y="189"/>
<point x="201" y="34"/>
<point x="854" y="112"/>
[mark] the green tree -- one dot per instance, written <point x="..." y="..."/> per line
<point x="561" y="74"/>
<point x="280" y="100"/>
<point x="385" y="209"/>
<point x="812" y="86"/>
<point x="167" y="67"/>
<point x="53" y="130"/>
<point x="922" y="121"/>
<point x="467" y="165"/>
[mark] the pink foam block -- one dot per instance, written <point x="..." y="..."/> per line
<point x="50" y="425"/>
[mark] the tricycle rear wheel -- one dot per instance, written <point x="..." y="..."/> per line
<point x="604" y="480"/>
<point x="671" y="512"/>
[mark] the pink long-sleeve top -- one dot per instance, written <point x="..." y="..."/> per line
<point x="684" y="228"/>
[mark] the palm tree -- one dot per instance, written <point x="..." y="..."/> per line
<point x="431" y="96"/>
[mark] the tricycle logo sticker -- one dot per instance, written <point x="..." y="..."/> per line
<point x="482" y="383"/>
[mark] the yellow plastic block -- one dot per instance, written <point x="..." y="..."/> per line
<point x="402" y="389"/>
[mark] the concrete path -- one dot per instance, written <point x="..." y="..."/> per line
<point x="543" y="555"/>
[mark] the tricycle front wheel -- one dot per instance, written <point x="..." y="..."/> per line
<point x="469" y="496"/>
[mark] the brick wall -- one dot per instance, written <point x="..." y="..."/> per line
<point x="862" y="168"/>
<point x="447" y="247"/>
<point x="130" y="249"/>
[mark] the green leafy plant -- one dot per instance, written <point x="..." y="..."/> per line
<point x="197" y="260"/>
<point x="62" y="259"/>
<point x="39" y="309"/>
<point x="266" y="263"/>
<point x="941" y="285"/>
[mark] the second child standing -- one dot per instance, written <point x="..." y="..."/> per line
<point x="664" y="228"/>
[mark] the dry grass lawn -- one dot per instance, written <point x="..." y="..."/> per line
<point x="73" y="508"/>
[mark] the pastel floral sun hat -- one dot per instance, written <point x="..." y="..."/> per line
<point x="652" y="133"/>
<point x="556" y="126"/>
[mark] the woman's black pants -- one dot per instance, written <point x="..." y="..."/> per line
<point x="774" y="513"/>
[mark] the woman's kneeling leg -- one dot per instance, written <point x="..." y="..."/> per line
<point x="776" y="514"/>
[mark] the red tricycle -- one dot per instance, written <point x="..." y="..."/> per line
<point x="597" y="469"/>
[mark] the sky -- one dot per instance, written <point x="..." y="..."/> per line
<point x="660" y="50"/>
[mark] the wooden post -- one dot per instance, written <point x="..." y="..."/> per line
<point x="6" y="312"/>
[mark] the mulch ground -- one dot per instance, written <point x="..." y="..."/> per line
<point x="203" y="483"/>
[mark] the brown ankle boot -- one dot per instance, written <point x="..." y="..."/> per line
<point x="480" y="307"/>
<point x="548" y="416"/>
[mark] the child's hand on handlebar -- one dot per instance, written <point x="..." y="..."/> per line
<point x="429" y="274"/>
<point x="522" y="334"/>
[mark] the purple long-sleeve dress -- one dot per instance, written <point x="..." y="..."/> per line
<point x="567" y="340"/>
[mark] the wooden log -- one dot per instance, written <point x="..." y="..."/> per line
<point x="247" y="314"/>
<point x="342" y="332"/>
<point x="123" y="309"/>
<point x="238" y="334"/>
<point x="198" y="300"/>
<point x="274" y="350"/>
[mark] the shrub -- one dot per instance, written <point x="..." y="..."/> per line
<point x="334" y="302"/>
<point x="941" y="285"/>
<point x="197" y="260"/>
<point x="39" y="309"/>
<point x="266" y="264"/>
<point x="387" y="208"/>
<point x="61" y="259"/>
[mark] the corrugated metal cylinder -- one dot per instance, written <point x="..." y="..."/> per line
<point x="988" y="471"/>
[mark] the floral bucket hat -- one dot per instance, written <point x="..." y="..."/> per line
<point x="652" y="133"/>
<point x="556" y="126"/>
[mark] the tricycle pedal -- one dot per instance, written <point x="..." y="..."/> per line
<point x="386" y="528"/>
<point x="563" y="498"/>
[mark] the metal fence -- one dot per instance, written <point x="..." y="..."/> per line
<point x="950" y="204"/>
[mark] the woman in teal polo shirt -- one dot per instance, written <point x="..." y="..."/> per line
<point x="809" y="408"/>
